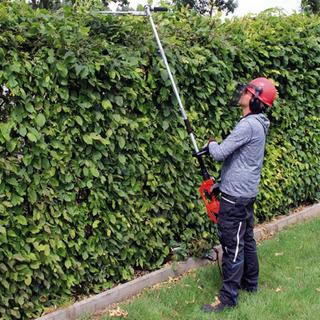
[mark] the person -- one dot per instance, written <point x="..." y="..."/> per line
<point x="242" y="153"/>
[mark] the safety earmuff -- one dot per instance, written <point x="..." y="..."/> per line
<point x="255" y="105"/>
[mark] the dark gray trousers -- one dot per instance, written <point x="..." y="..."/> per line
<point x="240" y="266"/>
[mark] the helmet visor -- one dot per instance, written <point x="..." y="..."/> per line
<point x="234" y="102"/>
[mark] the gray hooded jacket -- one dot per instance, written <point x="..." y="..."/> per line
<point x="242" y="154"/>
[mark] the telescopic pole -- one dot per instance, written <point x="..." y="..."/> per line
<point x="204" y="171"/>
<point x="207" y="186"/>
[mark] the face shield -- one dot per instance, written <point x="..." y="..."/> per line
<point x="239" y="90"/>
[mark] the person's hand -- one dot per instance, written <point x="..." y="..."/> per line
<point x="206" y="146"/>
<point x="211" y="140"/>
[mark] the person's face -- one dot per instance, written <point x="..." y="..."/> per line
<point x="245" y="99"/>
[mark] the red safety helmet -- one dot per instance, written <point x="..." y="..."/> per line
<point x="263" y="89"/>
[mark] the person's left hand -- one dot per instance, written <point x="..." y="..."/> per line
<point x="209" y="141"/>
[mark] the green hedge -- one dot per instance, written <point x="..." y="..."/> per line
<point x="96" y="174"/>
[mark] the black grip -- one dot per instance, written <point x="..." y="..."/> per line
<point x="158" y="9"/>
<point x="201" y="152"/>
<point x="204" y="172"/>
<point x="188" y="126"/>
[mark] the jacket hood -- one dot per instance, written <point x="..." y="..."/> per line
<point x="262" y="118"/>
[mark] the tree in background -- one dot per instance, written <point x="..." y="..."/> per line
<point x="209" y="6"/>
<point x="311" y="6"/>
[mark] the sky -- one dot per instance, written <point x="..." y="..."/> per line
<point x="249" y="6"/>
<point x="255" y="6"/>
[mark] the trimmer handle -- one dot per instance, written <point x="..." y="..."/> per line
<point x="158" y="9"/>
<point x="211" y="202"/>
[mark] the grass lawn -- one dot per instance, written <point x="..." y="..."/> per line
<point x="289" y="285"/>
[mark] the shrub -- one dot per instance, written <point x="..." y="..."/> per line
<point x="96" y="173"/>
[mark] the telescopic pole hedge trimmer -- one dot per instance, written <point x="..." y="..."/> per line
<point x="207" y="188"/>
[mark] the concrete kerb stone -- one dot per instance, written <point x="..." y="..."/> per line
<point x="276" y="226"/>
<point x="121" y="292"/>
<point x="105" y="299"/>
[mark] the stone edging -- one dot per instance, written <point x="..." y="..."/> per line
<point x="123" y="291"/>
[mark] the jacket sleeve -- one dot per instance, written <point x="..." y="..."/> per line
<point x="240" y="135"/>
